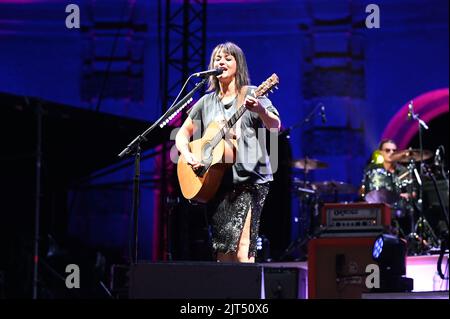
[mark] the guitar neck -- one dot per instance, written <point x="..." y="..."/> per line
<point x="230" y="123"/>
<point x="236" y="116"/>
<point x="261" y="90"/>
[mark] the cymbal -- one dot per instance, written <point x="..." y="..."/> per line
<point x="309" y="164"/>
<point x="406" y="156"/>
<point x="333" y="187"/>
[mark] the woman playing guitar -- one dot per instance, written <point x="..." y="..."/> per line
<point x="238" y="203"/>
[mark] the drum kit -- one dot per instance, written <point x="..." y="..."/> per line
<point x="381" y="186"/>
<point x="399" y="190"/>
<point x="402" y="190"/>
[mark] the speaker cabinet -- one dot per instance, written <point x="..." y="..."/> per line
<point x="195" y="280"/>
<point x="283" y="283"/>
<point x="211" y="280"/>
<point x="336" y="267"/>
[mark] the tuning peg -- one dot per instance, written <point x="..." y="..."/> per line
<point x="276" y="87"/>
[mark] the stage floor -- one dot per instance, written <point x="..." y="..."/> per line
<point x="409" y="295"/>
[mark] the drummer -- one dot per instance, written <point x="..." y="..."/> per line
<point x="387" y="148"/>
<point x="387" y="174"/>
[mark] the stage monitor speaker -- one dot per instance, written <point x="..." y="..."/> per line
<point x="336" y="267"/>
<point x="282" y="283"/>
<point x="199" y="280"/>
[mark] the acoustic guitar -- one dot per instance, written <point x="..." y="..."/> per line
<point x="215" y="152"/>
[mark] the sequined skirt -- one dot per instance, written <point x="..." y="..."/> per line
<point x="229" y="217"/>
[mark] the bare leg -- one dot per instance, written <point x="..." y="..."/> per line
<point x="244" y="241"/>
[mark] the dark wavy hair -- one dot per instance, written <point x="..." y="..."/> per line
<point x="242" y="76"/>
<point x="384" y="141"/>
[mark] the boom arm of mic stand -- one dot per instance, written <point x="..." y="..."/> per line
<point x="164" y="119"/>
<point x="132" y="145"/>
<point x="421" y="122"/>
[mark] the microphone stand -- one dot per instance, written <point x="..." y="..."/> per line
<point x="300" y="124"/>
<point x="299" y="242"/>
<point x="135" y="147"/>
<point x="421" y="125"/>
<point x="37" y="206"/>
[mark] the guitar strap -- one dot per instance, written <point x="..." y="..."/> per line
<point x="235" y="131"/>
<point x="241" y="95"/>
<point x="240" y="102"/>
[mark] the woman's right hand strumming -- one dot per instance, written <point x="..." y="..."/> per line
<point x="192" y="160"/>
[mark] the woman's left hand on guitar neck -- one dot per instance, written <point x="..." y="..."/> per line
<point x="253" y="105"/>
<point x="270" y="120"/>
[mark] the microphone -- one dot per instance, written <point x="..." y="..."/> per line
<point x="322" y="114"/>
<point x="412" y="116"/>
<point x="205" y="74"/>
<point x="410" y="110"/>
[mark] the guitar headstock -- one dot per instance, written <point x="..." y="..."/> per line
<point x="267" y="85"/>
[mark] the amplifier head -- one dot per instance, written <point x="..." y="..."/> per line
<point x="355" y="218"/>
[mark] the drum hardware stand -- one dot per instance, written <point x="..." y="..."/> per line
<point x="412" y="225"/>
<point x="422" y="228"/>
<point x="443" y="237"/>
<point x="301" y="242"/>
<point x="171" y="203"/>
<point x="443" y="210"/>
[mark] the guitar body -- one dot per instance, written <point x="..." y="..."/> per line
<point x="203" y="187"/>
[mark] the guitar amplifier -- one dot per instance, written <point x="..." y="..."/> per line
<point x="355" y="219"/>
<point x="337" y="267"/>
